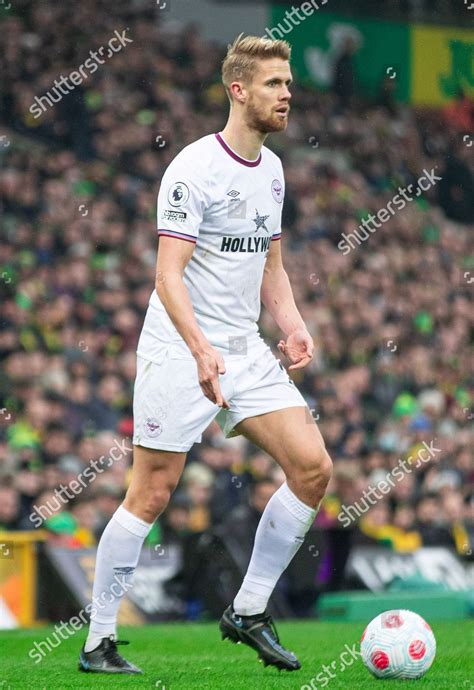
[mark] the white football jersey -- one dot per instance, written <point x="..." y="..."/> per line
<point x="230" y="208"/>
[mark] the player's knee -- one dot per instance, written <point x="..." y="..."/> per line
<point x="312" y="475"/>
<point x="156" y="501"/>
<point x="161" y="486"/>
<point x="149" y="503"/>
<point x="324" y="467"/>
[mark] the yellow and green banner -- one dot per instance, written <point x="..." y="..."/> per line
<point x="430" y="63"/>
<point x="441" y="61"/>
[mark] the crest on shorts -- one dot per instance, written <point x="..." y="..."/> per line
<point x="152" y="427"/>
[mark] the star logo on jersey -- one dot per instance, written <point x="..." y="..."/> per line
<point x="260" y="221"/>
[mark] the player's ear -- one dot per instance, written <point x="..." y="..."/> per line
<point x="237" y="91"/>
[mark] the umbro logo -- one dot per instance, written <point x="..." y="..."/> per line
<point x="233" y="193"/>
<point x="124" y="570"/>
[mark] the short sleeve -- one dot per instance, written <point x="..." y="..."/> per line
<point x="182" y="200"/>
<point x="278" y="191"/>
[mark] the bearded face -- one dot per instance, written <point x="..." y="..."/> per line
<point x="263" y="118"/>
<point x="268" y="99"/>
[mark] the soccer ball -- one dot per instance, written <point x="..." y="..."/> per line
<point x="398" y="644"/>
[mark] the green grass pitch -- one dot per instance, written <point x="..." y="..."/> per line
<point x="179" y="656"/>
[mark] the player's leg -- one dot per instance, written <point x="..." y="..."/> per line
<point x="155" y="475"/>
<point x="290" y="436"/>
<point x="170" y="413"/>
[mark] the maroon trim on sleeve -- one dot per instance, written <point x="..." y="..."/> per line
<point x="178" y="235"/>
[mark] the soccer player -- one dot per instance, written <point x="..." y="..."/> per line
<point x="200" y="354"/>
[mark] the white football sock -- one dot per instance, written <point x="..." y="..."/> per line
<point x="117" y="557"/>
<point x="279" y="535"/>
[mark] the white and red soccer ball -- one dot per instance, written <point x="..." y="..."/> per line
<point x="398" y="644"/>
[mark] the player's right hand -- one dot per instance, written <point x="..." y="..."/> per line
<point x="210" y="364"/>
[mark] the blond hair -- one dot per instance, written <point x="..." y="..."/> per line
<point x="242" y="55"/>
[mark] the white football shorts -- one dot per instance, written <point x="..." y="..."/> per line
<point x="171" y="411"/>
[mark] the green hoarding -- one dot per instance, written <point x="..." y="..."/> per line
<point x="431" y="63"/>
<point x="383" y="47"/>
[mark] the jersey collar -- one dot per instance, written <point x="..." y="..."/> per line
<point x="235" y="156"/>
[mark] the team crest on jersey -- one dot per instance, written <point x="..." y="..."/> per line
<point x="178" y="194"/>
<point x="260" y="221"/>
<point x="277" y="190"/>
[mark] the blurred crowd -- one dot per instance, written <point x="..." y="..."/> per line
<point x="392" y="318"/>
<point x="427" y="10"/>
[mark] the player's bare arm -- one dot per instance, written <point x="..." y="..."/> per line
<point x="277" y="297"/>
<point x="173" y="256"/>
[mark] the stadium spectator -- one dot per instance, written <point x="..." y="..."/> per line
<point x="9" y="508"/>
<point x="344" y="75"/>
<point x="456" y="189"/>
<point x="108" y="498"/>
<point x="429" y="522"/>
<point x="198" y="480"/>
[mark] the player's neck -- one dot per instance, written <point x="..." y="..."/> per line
<point x="245" y="142"/>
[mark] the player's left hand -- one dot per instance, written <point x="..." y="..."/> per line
<point x="299" y="348"/>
